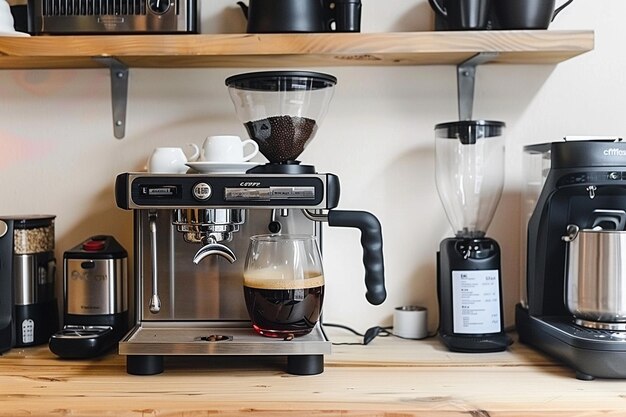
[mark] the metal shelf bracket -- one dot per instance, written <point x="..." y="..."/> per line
<point x="119" y="93"/>
<point x="466" y="78"/>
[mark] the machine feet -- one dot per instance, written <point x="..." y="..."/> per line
<point x="144" y="364"/>
<point x="305" y="364"/>
<point x="584" y="377"/>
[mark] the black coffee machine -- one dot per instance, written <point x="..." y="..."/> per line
<point x="568" y="182"/>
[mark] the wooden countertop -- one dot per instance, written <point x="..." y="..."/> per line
<point x="390" y="377"/>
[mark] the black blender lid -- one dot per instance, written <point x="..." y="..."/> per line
<point x="465" y="130"/>
<point x="30" y="221"/>
<point x="290" y="80"/>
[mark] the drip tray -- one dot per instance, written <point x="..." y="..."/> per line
<point x="184" y="338"/>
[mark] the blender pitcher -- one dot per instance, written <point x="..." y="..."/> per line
<point x="470" y="177"/>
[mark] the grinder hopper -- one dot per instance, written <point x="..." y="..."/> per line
<point x="281" y="111"/>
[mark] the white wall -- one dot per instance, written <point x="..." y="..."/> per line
<point x="58" y="154"/>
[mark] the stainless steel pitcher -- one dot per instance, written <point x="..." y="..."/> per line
<point x="595" y="285"/>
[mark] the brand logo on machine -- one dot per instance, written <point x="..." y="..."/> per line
<point x="614" y="152"/>
<point x="86" y="276"/>
<point x="89" y="307"/>
<point x="249" y="184"/>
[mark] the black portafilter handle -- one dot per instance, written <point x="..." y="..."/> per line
<point x="372" y="243"/>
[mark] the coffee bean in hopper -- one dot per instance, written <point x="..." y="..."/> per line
<point x="282" y="138"/>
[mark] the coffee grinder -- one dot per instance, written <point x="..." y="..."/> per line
<point x="470" y="176"/>
<point x="580" y="183"/>
<point x="192" y="232"/>
<point x="27" y="259"/>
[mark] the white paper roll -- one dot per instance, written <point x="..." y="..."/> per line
<point x="410" y="322"/>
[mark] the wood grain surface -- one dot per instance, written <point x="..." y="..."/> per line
<point x="304" y="50"/>
<point x="390" y="377"/>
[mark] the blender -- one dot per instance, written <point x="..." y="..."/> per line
<point x="281" y="111"/>
<point x="470" y="176"/>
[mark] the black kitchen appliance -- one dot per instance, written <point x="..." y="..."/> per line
<point x="28" y="266"/>
<point x="284" y="16"/>
<point x="113" y="16"/>
<point x="95" y="295"/>
<point x="470" y="177"/>
<point x="192" y="232"/>
<point x="580" y="183"/>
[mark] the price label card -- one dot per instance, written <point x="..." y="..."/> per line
<point x="476" y="301"/>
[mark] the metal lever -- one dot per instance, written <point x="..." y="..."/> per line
<point x="155" y="302"/>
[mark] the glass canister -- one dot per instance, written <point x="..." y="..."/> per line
<point x="469" y="172"/>
<point x="33" y="234"/>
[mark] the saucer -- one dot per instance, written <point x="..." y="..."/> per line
<point x="222" y="167"/>
<point x="14" y="34"/>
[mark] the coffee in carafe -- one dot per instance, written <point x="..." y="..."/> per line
<point x="283" y="284"/>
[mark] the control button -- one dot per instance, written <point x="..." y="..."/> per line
<point x="93" y="245"/>
<point x="293" y="193"/>
<point x="202" y="191"/>
<point x="247" y="194"/>
<point x="614" y="176"/>
<point x="28" y="331"/>
<point x="3" y="228"/>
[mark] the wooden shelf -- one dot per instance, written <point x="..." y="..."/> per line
<point x="291" y="50"/>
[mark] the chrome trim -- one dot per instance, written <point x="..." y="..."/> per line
<point x="616" y="327"/>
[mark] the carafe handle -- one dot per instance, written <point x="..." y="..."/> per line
<point x="560" y="9"/>
<point x="439" y="9"/>
<point x="372" y="243"/>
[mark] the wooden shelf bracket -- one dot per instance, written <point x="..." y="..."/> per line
<point x="119" y="93"/>
<point x="466" y="80"/>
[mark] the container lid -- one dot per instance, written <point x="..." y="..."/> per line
<point x="280" y="80"/>
<point x="30" y="222"/>
<point x="468" y="131"/>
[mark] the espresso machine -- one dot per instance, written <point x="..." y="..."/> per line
<point x="470" y="176"/>
<point x="192" y="232"/>
<point x="573" y="304"/>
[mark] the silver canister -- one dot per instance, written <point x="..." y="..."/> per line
<point x="595" y="286"/>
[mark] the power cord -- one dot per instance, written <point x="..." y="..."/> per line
<point x="369" y="335"/>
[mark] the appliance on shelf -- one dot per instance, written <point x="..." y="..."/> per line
<point x="192" y="232"/>
<point x="113" y="16"/>
<point x="573" y="304"/>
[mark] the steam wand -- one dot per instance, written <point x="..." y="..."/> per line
<point x="155" y="302"/>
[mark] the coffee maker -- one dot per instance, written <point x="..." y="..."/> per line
<point x="28" y="306"/>
<point x="582" y="184"/>
<point x="95" y="298"/>
<point x="192" y="232"/>
<point x="470" y="176"/>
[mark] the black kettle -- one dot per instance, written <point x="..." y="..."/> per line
<point x="285" y="16"/>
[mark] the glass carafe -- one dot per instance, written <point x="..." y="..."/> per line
<point x="469" y="173"/>
<point x="283" y="284"/>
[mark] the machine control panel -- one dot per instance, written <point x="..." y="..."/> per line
<point x="141" y="190"/>
<point x="269" y="193"/>
<point x="594" y="177"/>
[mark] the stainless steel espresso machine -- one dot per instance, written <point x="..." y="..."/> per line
<point x="192" y="233"/>
<point x="573" y="303"/>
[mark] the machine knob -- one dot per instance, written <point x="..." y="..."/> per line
<point x="202" y="191"/>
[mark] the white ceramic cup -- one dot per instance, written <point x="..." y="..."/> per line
<point x="170" y="160"/>
<point x="227" y="148"/>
